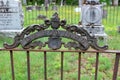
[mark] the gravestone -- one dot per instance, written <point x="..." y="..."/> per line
<point x="92" y="13"/>
<point x="11" y="17"/>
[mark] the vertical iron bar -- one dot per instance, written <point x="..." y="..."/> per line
<point x="28" y="64"/>
<point x="79" y="66"/>
<point x="36" y="11"/>
<point x="29" y="16"/>
<point x="113" y="15"/>
<point x="45" y="66"/>
<point x="59" y="9"/>
<point x="64" y="10"/>
<point x="25" y="15"/>
<point x="110" y="14"/>
<point x="116" y="65"/>
<point x="117" y="15"/>
<point x="107" y="9"/>
<point x="96" y="67"/>
<point x="12" y="64"/>
<point x="71" y="15"/>
<point x="62" y="59"/>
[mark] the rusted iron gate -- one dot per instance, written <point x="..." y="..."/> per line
<point x="81" y="41"/>
<point x="28" y="51"/>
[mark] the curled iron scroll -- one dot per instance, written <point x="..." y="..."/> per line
<point x="80" y="38"/>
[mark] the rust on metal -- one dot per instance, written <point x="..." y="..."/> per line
<point x="80" y="38"/>
<point x="79" y="66"/>
<point x="28" y="64"/>
<point x="96" y="66"/>
<point x="12" y="64"/>
<point x="116" y="66"/>
<point x="62" y="62"/>
<point x="45" y="65"/>
<point x="63" y="50"/>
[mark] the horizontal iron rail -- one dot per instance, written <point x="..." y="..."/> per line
<point x="88" y="51"/>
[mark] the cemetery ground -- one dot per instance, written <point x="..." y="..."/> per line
<point x="70" y="59"/>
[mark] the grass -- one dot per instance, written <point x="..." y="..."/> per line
<point x="53" y="66"/>
<point x="53" y="59"/>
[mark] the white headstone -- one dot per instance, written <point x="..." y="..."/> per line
<point x="92" y="20"/>
<point x="11" y="16"/>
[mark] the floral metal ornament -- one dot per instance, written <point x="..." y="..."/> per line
<point x="55" y="30"/>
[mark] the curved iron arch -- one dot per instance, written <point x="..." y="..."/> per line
<point x="79" y="36"/>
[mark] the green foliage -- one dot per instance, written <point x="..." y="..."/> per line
<point x="39" y="2"/>
<point x="68" y="2"/>
<point x="72" y="2"/>
<point x="105" y="1"/>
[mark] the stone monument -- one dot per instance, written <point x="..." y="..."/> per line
<point x="11" y="17"/>
<point x="91" y="19"/>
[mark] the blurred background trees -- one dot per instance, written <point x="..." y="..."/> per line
<point x="69" y="2"/>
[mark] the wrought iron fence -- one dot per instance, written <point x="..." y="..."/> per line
<point x="79" y="42"/>
<point x="36" y="13"/>
<point x="62" y="57"/>
<point x="112" y="15"/>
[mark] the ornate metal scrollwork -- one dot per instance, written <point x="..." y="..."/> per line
<point x="80" y="38"/>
